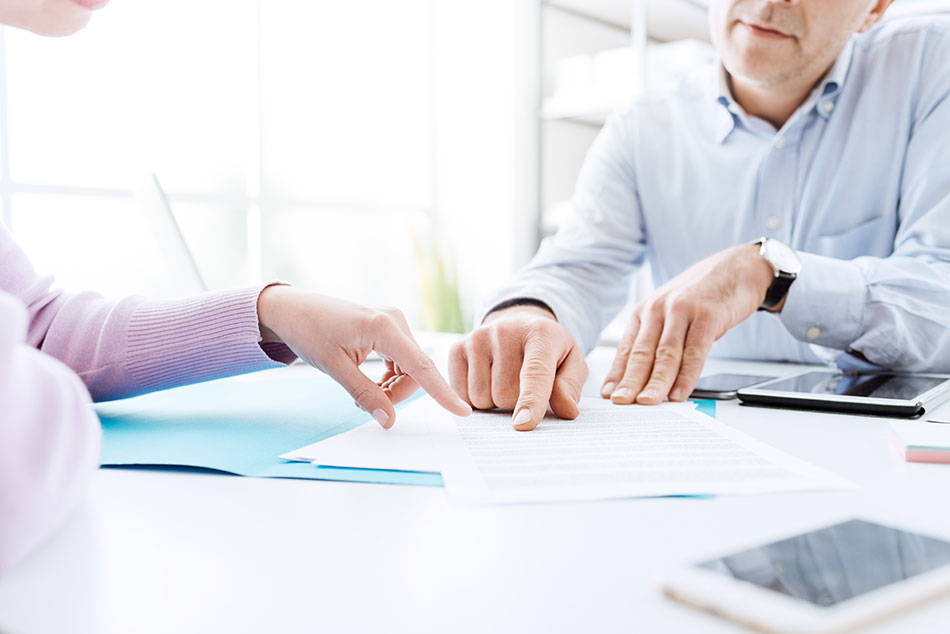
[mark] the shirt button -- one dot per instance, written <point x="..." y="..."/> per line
<point x="780" y="142"/>
<point x="813" y="332"/>
<point x="827" y="106"/>
<point x="773" y="223"/>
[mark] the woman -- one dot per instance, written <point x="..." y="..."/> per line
<point x="57" y="349"/>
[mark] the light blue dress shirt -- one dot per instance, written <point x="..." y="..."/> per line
<point x="857" y="181"/>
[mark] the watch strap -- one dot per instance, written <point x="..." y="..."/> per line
<point x="778" y="290"/>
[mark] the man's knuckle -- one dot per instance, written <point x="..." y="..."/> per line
<point x="704" y="314"/>
<point x="693" y="355"/>
<point x="535" y="367"/>
<point x="655" y="306"/>
<point x="642" y="353"/>
<point x="666" y="354"/>
<point x="630" y="382"/>
<point x="688" y="377"/>
<point x="479" y="343"/>
<point x="682" y="304"/>
<point x="505" y="396"/>
<point x="538" y="329"/>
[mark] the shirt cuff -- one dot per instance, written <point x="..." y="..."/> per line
<point x="825" y="303"/>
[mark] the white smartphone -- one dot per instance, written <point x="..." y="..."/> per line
<point x="829" y="580"/>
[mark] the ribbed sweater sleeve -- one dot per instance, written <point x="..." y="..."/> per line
<point x="138" y="345"/>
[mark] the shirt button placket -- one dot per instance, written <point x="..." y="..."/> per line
<point x="775" y="188"/>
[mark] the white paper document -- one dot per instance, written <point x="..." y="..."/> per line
<point x="613" y="451"/>
<point x="408" y="446"/>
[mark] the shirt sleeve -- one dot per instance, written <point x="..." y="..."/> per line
<point x="895" y="311"/>
<point x="583" y="271"/>
<point x="49" y="439"/>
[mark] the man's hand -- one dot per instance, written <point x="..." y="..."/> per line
<point x="520" y="359"/>
<point x="336" y="336"/>
<point x="670" y="333"/>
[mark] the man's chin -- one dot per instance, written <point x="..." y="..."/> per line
<point x="757" y="71"/>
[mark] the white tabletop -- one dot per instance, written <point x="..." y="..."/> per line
<point x="170" y="551"/>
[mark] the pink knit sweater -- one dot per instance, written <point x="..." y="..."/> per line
<point x="57" y="349"/>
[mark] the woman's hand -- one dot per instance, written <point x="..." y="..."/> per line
<point x="336" y="336"/>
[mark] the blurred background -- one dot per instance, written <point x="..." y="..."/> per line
<point x="408" y="152"/>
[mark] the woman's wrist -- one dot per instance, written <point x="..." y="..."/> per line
<point x="269" y="310"/>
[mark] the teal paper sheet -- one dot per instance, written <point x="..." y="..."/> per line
<point x="706" y="406"/>
<point x="240" y="427"/>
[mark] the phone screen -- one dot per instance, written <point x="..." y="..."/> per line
<point x="728" y="382"/>
<point x="833" y="564"/>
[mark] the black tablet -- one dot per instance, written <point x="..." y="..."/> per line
<point x="877" y="393"/>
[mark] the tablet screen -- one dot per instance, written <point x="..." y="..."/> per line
<point x="894" y="386"/>
<point x="833" y="564"/>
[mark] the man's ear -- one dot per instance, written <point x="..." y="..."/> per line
<point x="877" y="12"/>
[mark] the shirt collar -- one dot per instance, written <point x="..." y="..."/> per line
<point x="834" y="79"/>
<point x="729" y="113"/>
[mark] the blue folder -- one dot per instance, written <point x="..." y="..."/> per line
<point x="240" y="427"/>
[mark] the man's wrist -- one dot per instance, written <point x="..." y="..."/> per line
<point x="760" y="270"/>
<point x="520" y="305"/>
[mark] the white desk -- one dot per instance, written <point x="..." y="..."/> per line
<point x="164" y="551"/>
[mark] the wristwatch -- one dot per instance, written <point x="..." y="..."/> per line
<point x="786" y="264"/>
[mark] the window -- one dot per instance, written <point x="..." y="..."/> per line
<point x="289" y="137"/>
<point x="308" y="142"/>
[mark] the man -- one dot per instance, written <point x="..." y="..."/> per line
<point x="825" y="136"/>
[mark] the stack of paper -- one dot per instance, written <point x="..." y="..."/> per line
<point x="609" y="451"/>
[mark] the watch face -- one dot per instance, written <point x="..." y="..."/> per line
<point x="782" y="257"/>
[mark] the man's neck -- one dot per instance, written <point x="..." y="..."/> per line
<point x="775" y="104"/>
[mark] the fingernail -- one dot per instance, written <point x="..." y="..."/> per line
<point x="676" y="394"/>
<point x="381" y="417"/>
<point x="622" y="394"/>
<point x="608" y="388"/>
<point x="465" y="405"/>
<point x="522" y="417"/>
<point x="649" y="394"/>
